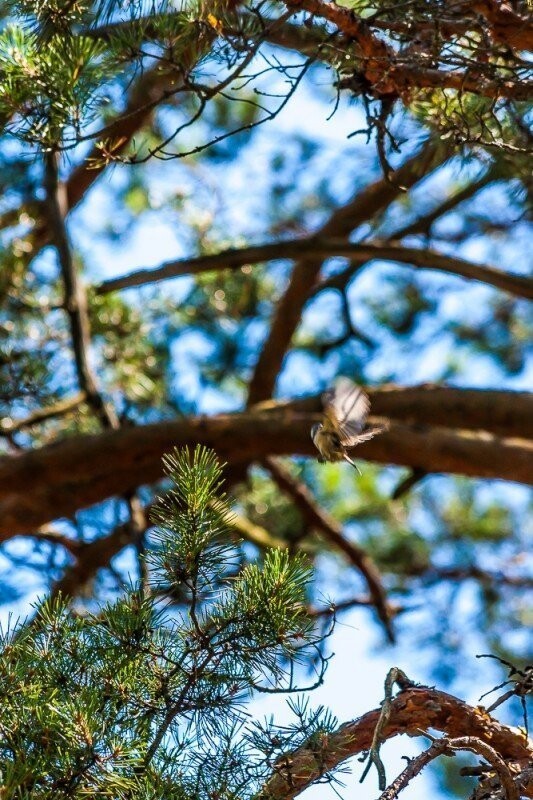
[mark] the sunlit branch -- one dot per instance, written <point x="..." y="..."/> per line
<point x="414" y="711"/>
<point x="391" y="72"/>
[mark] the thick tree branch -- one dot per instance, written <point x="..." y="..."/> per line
<point x="361" y="253"/>
<point x="83" y="470"/>
<point x="509" y="414"/>
<point x="364" y="206"/>
<point x="404" y="77"/>
<point x="318" y="518"/>
<point x="412" y="712"/>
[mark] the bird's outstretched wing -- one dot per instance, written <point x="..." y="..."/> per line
<point x="346" y="408"/>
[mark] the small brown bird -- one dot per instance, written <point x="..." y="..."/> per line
<point x="346" y="408"/>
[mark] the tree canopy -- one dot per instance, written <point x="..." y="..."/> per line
<point x="210" y="211"/>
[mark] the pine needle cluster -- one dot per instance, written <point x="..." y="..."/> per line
<point x="142" y="701"/>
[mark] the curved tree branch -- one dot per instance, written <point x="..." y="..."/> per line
<point x="361" y="253"/>
<point x="83" y="470"/>
<point x="412" y="712"/>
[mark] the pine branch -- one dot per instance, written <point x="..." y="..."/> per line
<point x="96" y="697"/>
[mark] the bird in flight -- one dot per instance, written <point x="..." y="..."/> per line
<point x="346" y="408"/>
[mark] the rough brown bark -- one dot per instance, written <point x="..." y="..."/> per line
<point x="390" y="74"/>
<point x="412" y="712"/>
<point x="57" y="480"/>
<point x="508" y="414"/>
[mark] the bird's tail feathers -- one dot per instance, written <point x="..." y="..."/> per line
<point x="349" y="460"/>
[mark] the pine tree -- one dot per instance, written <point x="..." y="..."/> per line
<point x="144" y="701"/>
<point x="146" y="697"/>
<point x="140" y="701"/>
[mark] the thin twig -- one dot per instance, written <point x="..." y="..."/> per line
<point x="395" y="675"/>
<point x="75" y="301"/>
<point x="414" y="767"/>
<point x="9" y="426"/>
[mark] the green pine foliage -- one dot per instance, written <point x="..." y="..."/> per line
<point x="58" y="59"/>
<point x="140" y="701"/>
